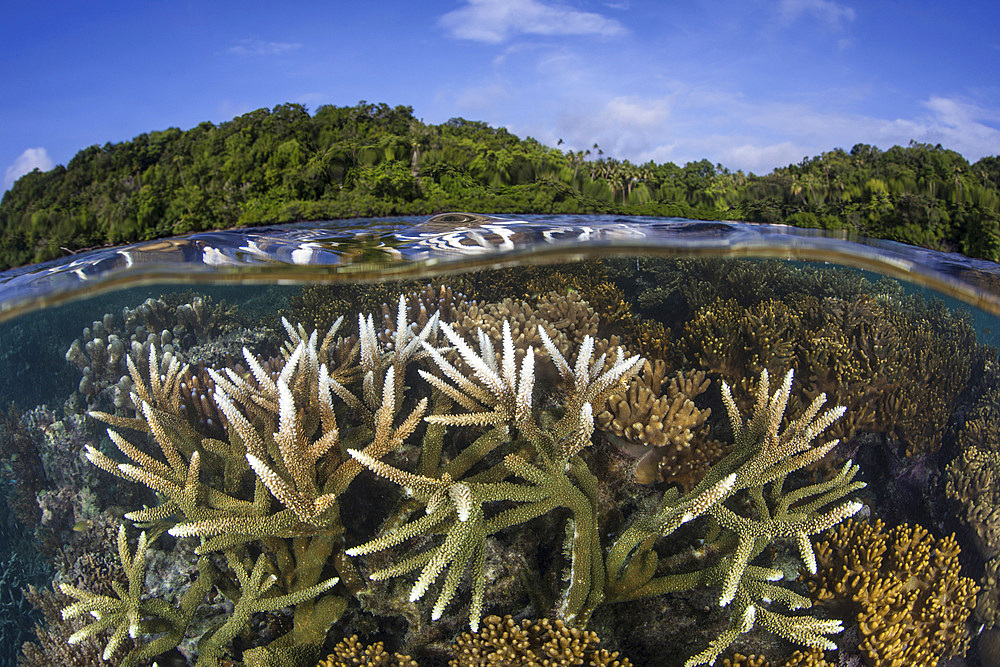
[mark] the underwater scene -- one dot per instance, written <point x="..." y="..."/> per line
<point x="469" y="441"/>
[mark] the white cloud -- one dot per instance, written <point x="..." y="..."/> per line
<point x="633" y="112"/>
<point x="493" y="21"/>
<point x="830" y="12"/>
<point x="625" y="127"/>
<point x="26" y="162"/>
<point x="257" y="47"/>
<point x="960" y="126"/>
<point x="683" y="124"/>
<point x="760" y="159"/>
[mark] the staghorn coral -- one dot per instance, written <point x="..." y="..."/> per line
<point x="502" y="641"/>
<point x="279" y="539"/>
<point x="545" y="471"/>
<point x="491" y="451"/>
<point x="763" y="454"/>
<point x="904" y="586"/>
<point x="52" y="645"/>
<point x="421" y="305"/>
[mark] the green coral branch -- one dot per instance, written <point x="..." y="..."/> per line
<point x="255" y="582"/>
<point x="129" y="614"/>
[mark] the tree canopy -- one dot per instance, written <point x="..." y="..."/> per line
<point x="285" y="165"/>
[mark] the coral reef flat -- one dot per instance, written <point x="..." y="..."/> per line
<point x="618" y="461"/>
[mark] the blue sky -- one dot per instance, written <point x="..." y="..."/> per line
<point x="751" y="84"/>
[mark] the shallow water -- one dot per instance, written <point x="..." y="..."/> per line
<point x="563" y="419"/>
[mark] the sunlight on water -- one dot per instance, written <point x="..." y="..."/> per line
<point x="694" y="440"/>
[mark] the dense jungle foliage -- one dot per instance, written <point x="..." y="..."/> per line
<point x="283" y="165"/>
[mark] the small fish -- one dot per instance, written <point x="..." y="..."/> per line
<point x="83" y="526"/>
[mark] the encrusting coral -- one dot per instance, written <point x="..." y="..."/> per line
<point x="904" y="586"/>
<point x="496" y="450"/>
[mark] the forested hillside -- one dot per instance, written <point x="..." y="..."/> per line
<point x="283" y="165"/>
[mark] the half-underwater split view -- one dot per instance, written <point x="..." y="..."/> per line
<point x="474" y="441"/>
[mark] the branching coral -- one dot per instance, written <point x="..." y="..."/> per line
<point x="763" y="456"/>
<point x="51" y="645"/>
<point x="350" y="653"/>
<point x="905" y="587"/>
<point x="670" y="426"/>
<point x="498" y="398"/>
<point x="266" y="496"/>
<point x="875" y="356"/>
<point x="502" y="428"/>
<point x="972" y="481"/>
<point x="502" y="641"/>
<point x="545" y="472"/>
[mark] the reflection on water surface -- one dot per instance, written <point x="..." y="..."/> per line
<point x="692" y="457"/>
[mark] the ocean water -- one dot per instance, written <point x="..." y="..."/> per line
<point x="479" y="440"/>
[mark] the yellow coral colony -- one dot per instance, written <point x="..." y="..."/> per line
<point x="266" y="497"/>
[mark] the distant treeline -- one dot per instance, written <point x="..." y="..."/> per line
<point x="284" y="165"/>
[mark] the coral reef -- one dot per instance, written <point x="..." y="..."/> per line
<point x="898" y="366"/>
<point x="173" y="324"/>
<point x="479" y="447"/>
<point x="498" y="397"/>
<point x="905" y="587"/>
<point x="492" y="443"/>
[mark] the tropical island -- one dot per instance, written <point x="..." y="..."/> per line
<point x="370" y="160"/>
